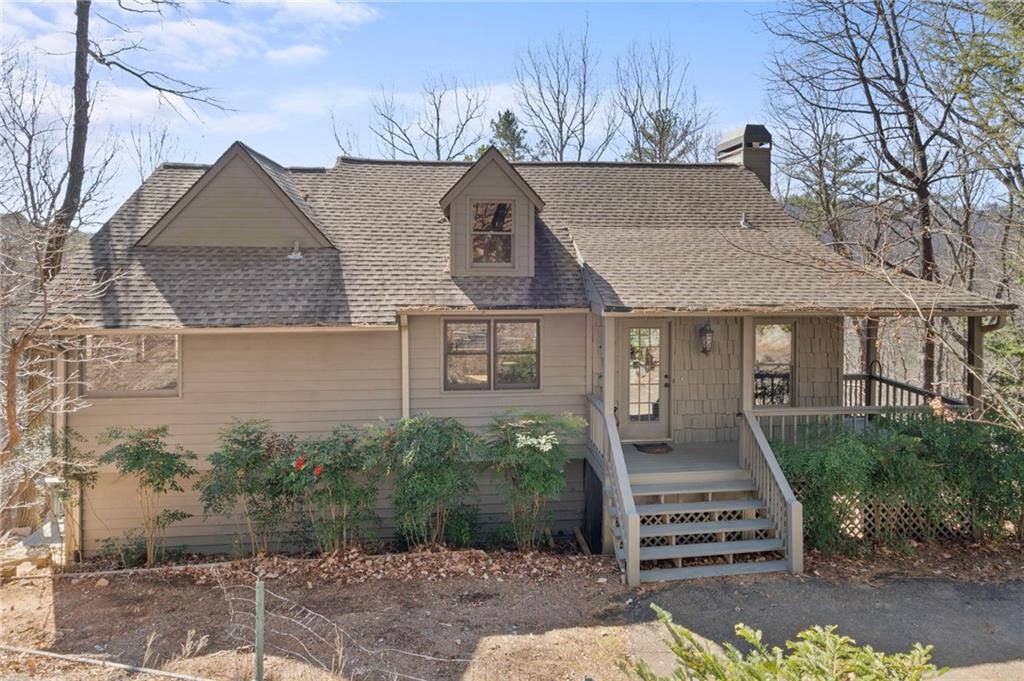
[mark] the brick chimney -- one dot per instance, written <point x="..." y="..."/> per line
<point x="750" y="147"/>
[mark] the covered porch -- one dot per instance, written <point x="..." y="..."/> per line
<point x="710" y="497"/>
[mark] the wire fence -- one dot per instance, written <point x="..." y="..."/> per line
<point x="272" y="624"/>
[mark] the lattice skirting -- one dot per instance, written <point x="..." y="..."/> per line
<point x="869" y="519"/>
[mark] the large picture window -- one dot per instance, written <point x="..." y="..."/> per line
<point x="131" y="365"/>
<point x="492" y="227"/>
<point x="500" y="354"/>
<point x="773" y="371"/>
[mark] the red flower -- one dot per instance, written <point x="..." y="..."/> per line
<point x="318" y="470"/>
<point x="300" y="463"/>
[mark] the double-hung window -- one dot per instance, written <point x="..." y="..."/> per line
<point x="498" y="354"/>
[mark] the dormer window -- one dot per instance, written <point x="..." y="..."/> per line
<point x="493" y="226"/>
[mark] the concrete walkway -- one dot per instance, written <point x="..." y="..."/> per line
<point x="977" y="630"/>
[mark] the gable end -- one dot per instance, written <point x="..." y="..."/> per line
<point x="236" y="202"/>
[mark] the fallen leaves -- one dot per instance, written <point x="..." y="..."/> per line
<point x="960" y="561"/>
<point x="355" y="567"/>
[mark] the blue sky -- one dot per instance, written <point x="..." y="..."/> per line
<point x="282" y="66"/>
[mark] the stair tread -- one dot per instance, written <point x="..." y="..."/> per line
<point x="725" y="570"/>
<point x="706" y="527"/>
<point x="701" y="506"/>
<point x="742" y="485"/>
<point x="716" y="548"/>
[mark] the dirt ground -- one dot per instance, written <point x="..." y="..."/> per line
<point x="545" y="625"/>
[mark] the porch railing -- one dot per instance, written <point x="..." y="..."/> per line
<point x="887" y="392"/>
<point x="793" y="424"/>
<point x="784" y="510"/>
<point x="618" y="498"/>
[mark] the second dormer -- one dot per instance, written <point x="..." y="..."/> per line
<point x="492" y="211"/>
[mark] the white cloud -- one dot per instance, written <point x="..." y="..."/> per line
<point x="201" y="44"/>
<point x="324" y="13"/>
<point x="294" y="55"/>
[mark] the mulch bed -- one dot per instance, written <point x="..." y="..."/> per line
<point x="959" y="561"/>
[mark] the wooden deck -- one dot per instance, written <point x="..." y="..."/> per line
<point x="685" y="457"/>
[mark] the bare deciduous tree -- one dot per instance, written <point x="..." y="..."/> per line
<point x="560" y="101"/>
<point x="865" y="58"/>
<point x="447" y="123"/>
<point x="662" y="120"/>
<point x="148" y="147"/>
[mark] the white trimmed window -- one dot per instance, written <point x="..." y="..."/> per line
<point x="131" y="365"/>
<point x="498" y="354"/>
<point x="492" y="232"/>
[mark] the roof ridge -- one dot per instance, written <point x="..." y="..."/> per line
<point x="611" y="164"/>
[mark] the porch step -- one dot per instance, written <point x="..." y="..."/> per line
<point x="665" y="488"/>
<point x="701" y="506"/>
<point x="724" y="570"/>
<point x="676" y="529"/>
<point x="710" y="475"/>
<point x="717" y="548"/>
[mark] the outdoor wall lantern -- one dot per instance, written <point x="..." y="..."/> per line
<point x="707" y="337"/>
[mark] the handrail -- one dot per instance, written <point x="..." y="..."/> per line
<point x="900" y="387"/>
<point x="784" y="509"/>
<point x="604" y="436"/>
<point x="836" y="411"/>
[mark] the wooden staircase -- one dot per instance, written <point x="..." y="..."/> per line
<point x="700" y="523"/>
<point x="724" y="509"/>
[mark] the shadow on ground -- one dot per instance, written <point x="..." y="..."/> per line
<point x="968" y="624"/>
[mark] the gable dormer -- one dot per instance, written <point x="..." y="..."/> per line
<point x="491" y="211"/>
<point x="244" y="199"/>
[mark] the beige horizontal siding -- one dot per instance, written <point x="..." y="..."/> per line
<point x="237" y="208"/>
<point x="111" y="510"/>
<point x="563" y="374"/>
<point x="303" y="383"/>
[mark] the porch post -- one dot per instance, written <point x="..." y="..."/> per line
<point x="608" y="399"/>
<point x="608" y="373"/>
<point x="975" y="364"/>
<point x="870" y="357"/>
<point x="747" y="351"/>
<point x="403" y="326"/>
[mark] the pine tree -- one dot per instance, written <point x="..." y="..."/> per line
<point x="509" y="137"/>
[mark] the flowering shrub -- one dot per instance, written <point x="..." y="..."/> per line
<point x="248" y="473"/>
<point x="143" y="454"/>
<point x="333" y="481"/>
<point x="527" y="450"/>
<point x="430" y="460"/>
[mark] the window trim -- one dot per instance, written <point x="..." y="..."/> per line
<point x="492" y="355"/>
<point x="792" y="322"/>
<point x="167" y="393"/>
<point x="513" y="235"/>
<point x="457" y="387"/>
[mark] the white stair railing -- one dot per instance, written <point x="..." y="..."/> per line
<point x="618" y="504"/>
<point x="784" y="509"/>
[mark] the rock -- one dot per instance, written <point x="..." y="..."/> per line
<point x="602" y="580"/>
<point x="102" y="581"/>
<point x="24" y="568"/>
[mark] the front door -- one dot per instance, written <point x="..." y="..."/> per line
<point x="644" y="382"/>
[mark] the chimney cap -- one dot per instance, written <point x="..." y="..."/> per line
<point x="746" y="136"/>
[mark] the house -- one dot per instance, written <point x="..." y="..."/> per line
<point x="673" y="304"/>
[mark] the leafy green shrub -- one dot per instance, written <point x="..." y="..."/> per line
<point x="332" y="480"/>
<point x="463" y="527"/>
<point x="527" y="450"/>
<point x="925" y="466"/>
<point x="249" y="471"/>
<point x="430" y="459"/>
<point x="818" y="653"/>
<point x="127" y="552"/>
<point x="143" y="454"/>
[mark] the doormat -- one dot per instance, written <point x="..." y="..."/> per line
<point x="655" y="448"/>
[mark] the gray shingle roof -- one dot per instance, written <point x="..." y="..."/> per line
<point x="653" y="237"/>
